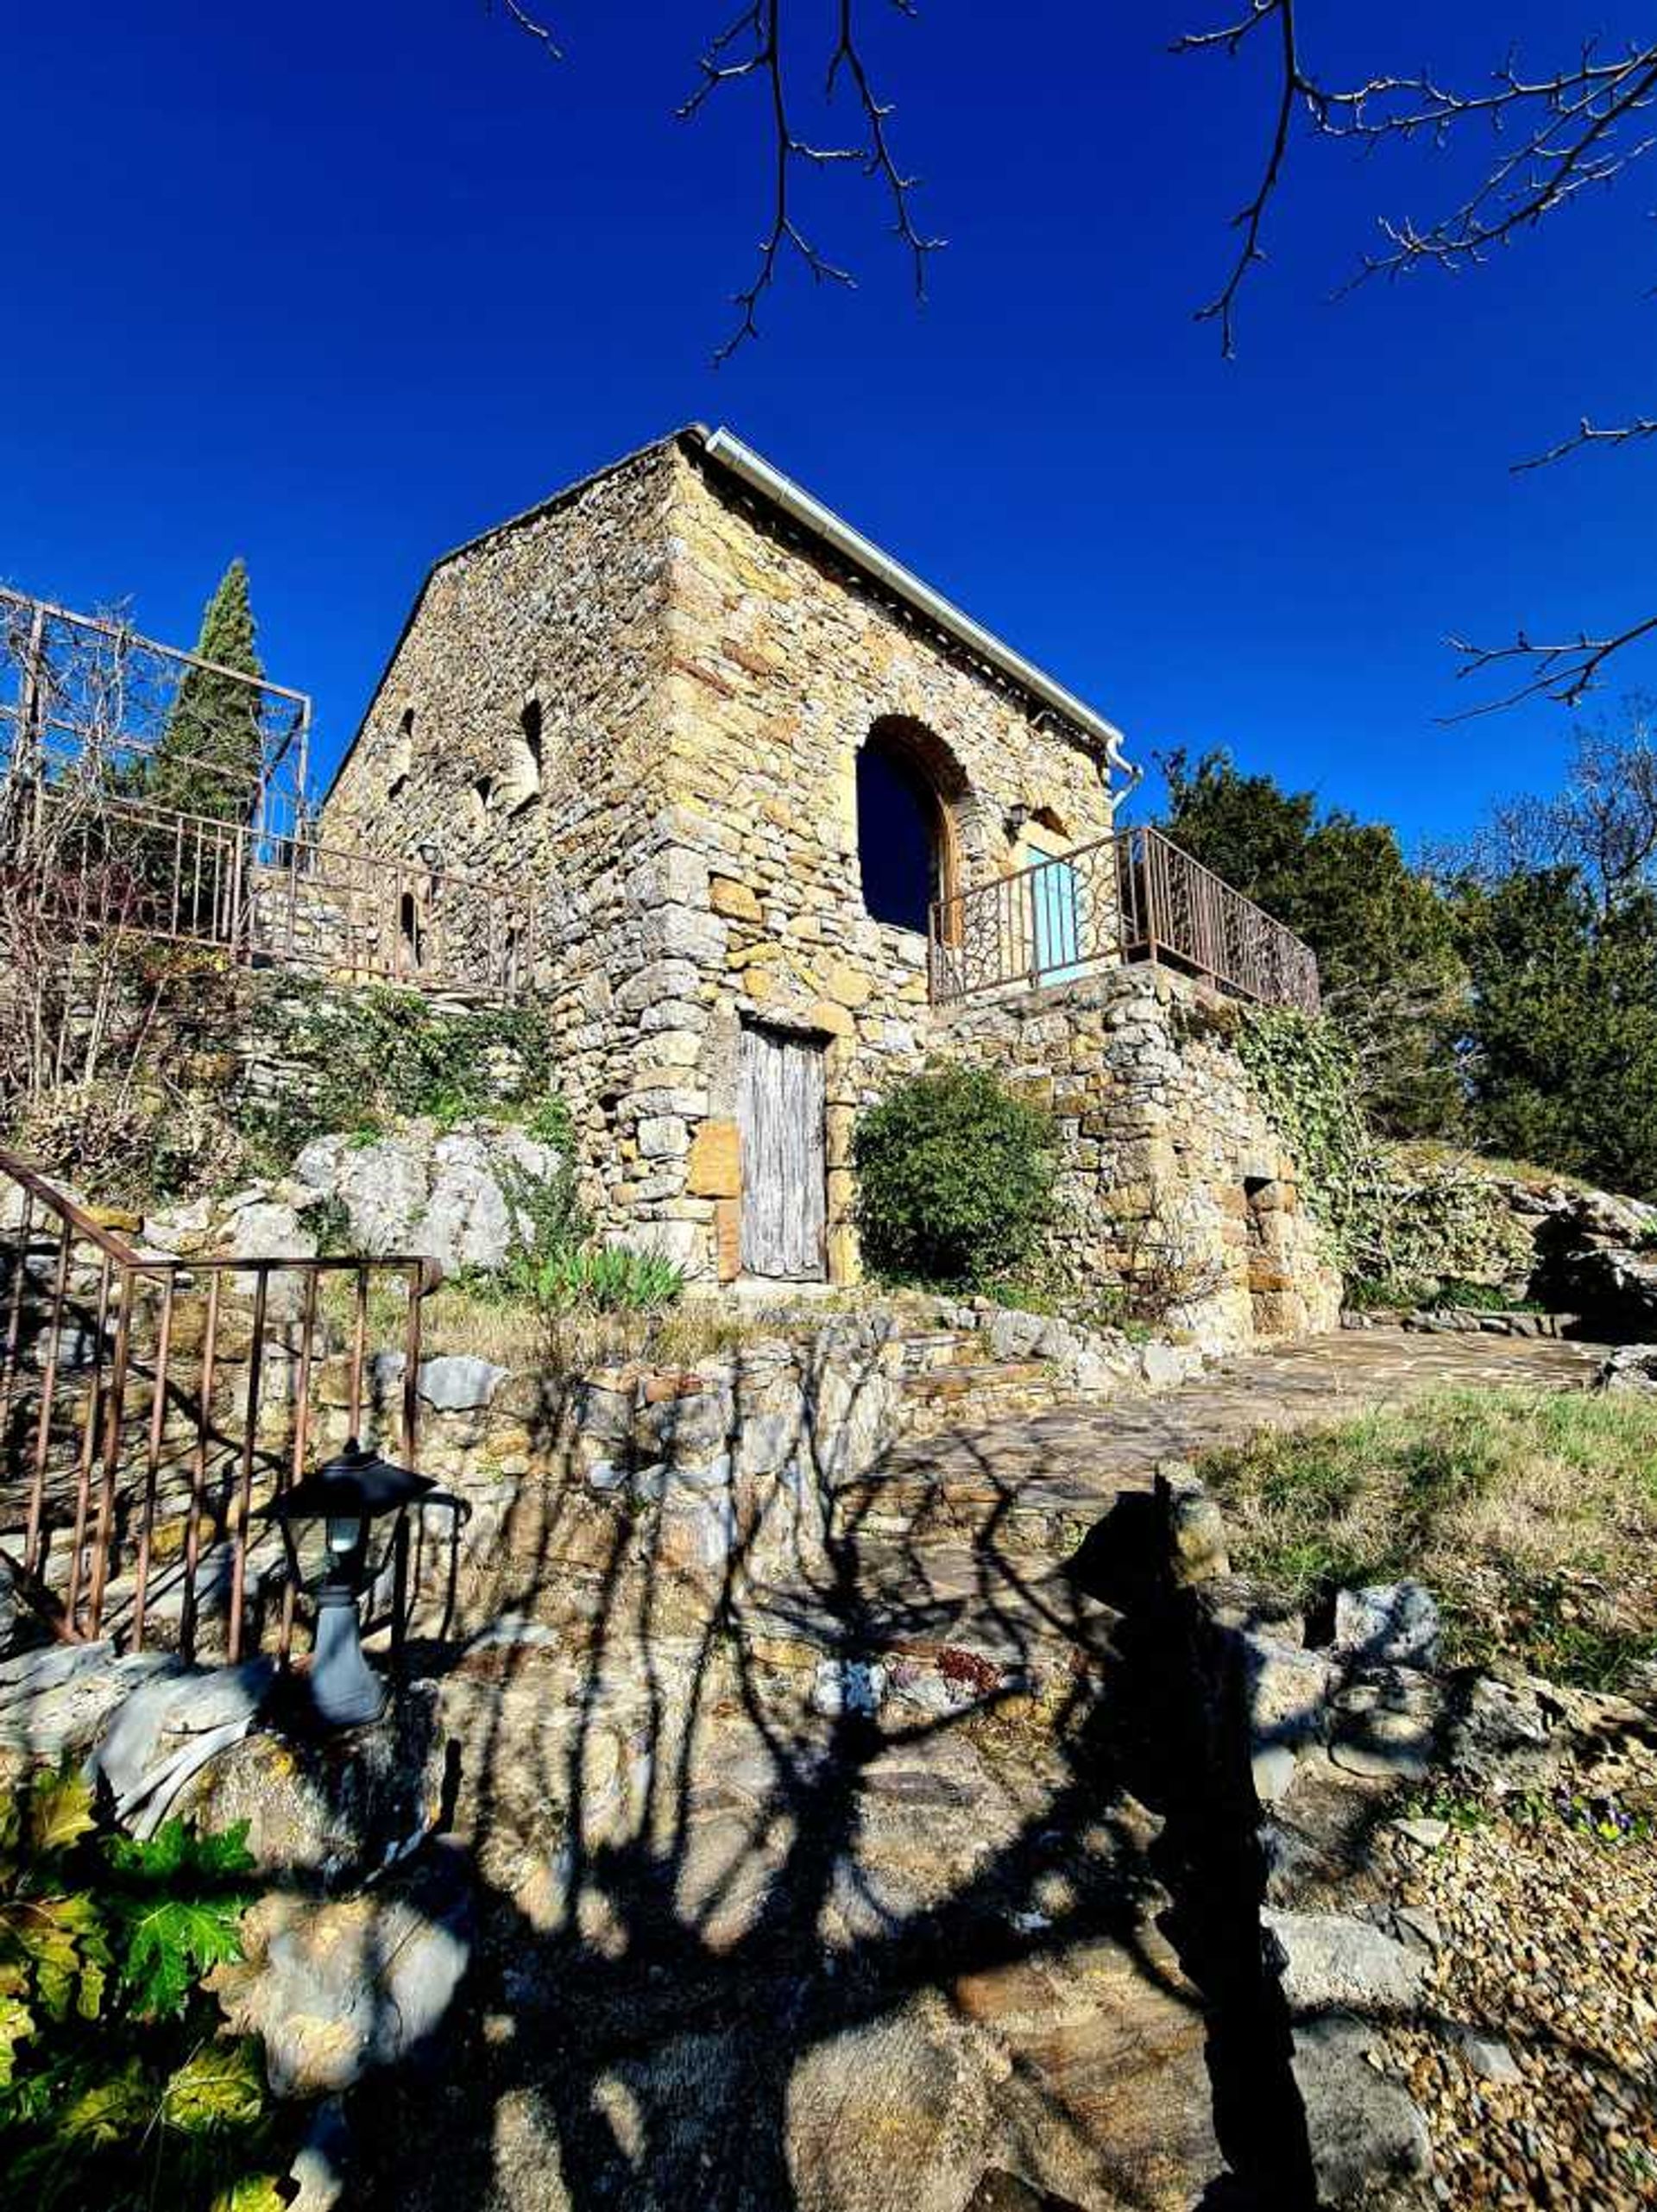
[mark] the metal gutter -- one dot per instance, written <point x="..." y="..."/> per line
<point x="725" y="447"/>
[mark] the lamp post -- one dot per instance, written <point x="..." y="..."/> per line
<point x="343" y="1498"/>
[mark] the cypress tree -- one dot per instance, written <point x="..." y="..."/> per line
<point x="209" y="757"/>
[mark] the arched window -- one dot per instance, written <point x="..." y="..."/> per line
<point x="906" y="838"/>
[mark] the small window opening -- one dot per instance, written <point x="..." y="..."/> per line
<point x="411" y="952"/>
<point x="523" y="777"/>
<point x="401" y="758"/>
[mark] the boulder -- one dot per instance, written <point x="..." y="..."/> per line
<point x="1326" y="1962"/>
<point x="451" y="1197"/>
<point x="1364" y="2130"/>
<point x="1389" y="1624"/>
<point x="335" y="1807"/>
<point x="57" y="1699"/>
<point x="1287" y="1692"/>
<point x="338" y="1987"/>
<point x="1015" y="1335"/>
<point x="1503" y="1736"/>
<point x="459" y="1382"/>
<point x="1195" y="1526"/>
<point x="169" y="1728"/>
<point x="1630" y="1368"/>
<point x="1386" y="1724"/>
<point x="1614" y="1290"/>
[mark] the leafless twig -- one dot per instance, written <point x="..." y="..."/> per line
<point x="1292" y="85"/>
<point x="1627" y="433"/>
<point x="752" y="45"/>
<point x="1565" y="671"/>
<point x="1573" y="132"/>
<point x="531" y="25"/>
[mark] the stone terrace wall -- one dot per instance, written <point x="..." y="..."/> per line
<point x="1173" y="1178"/>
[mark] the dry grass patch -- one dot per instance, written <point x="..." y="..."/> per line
<point x="1532" y="1516"/>
<point x="514" y="1331"/>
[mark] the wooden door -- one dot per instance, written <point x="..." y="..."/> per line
<point x="779" y="1115"/>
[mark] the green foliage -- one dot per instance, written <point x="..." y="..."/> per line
<point x="1386" y="945"/>
<point x="607" y="1279"/>
<point x="1305" y="1071"/>
<point x="1563" y="1059"/>
<point x="955" y="1179"/>
<point x="362" y="1057"/>
<point x="115" y="2090"/>
<point x="209" y="759"/>
<point x="551" y="1223"/>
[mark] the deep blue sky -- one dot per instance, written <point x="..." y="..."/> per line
<point x="336" y="287"/>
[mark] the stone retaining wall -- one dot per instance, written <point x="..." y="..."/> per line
<point x="1173" y="1184"/>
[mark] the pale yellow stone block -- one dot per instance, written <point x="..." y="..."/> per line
<point x="715" y="1168"/>
<point x="847" y="987"/>
<point x="735" y="900"/>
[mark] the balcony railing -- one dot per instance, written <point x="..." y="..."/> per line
<point x="1133" y="897"/>
<point x="86" y="863"/>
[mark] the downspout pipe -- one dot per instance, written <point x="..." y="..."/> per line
<point x="725" y="447"/>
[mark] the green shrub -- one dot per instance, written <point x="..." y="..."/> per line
<point x="607" y="1279"/>
<point x="1370" y="1294"/>
<point x="116" y="2088"/>
<point x="955" y="1179"/>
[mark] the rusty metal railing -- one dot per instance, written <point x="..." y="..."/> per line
<point x="146" y="1401"/>
<point x="1133" y="897"/>
<point x="91" y="863"/>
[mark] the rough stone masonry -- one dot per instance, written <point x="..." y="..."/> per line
<point x="648" y="697"/>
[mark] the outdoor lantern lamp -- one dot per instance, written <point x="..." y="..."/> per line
<point x="344" y="1497"/>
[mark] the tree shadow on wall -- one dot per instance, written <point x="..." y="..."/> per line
<point x="826" y="1849"/>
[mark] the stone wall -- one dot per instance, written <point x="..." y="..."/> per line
<point x="1174" y="1185"/>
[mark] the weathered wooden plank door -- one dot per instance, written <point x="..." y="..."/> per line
<point x="779" y="1115"/>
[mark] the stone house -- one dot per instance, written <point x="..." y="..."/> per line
<point x="741" y="759"/>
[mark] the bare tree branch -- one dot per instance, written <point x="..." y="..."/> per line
<point x="1569" y="126"/>
<point x="1626" y="433"/>
<point x="728" y="61"/>
<point x="1566" y="671"/>
<point x="531" y="25"/>
<point x="1555" y="135"/>
<point x="752" y="45"/>
<point x="1292" y="85"/>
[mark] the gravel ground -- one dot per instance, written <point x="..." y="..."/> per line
<point x="1546" y="1951"/>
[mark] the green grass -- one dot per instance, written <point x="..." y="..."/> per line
<point x="1532" y="1516"/>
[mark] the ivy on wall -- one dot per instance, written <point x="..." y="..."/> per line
<point x="1307" y="1075"/>
<point x="1398" y="1217"/>
<point x="354" y="1059"/>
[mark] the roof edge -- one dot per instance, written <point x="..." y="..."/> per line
<point x="725" y="447"/>
<point x="727" y="450"/>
